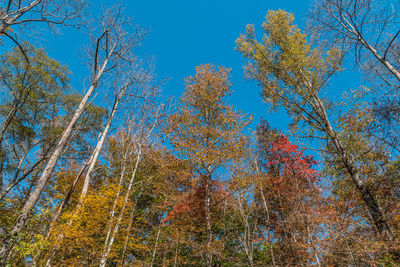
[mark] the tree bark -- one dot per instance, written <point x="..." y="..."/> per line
<point x="66" y="199"/>
<point x="91" y="163"/>
<point x="155" y="245"/>
<point x="370" y="202"/>
<point x="34" y="196"/>
<point x="100" y="144"/>
<point x="108" y="246"/>
<point x="209" y="254"/>
<point x="264" y="201"/>
<point x="129" y="228"/>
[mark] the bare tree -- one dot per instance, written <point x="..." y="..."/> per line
<point x="142" y="132"/>
<point x="370" y="28"/>
<point x="24" y="14"/>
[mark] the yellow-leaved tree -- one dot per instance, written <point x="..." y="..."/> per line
<point x="207" y="132"/>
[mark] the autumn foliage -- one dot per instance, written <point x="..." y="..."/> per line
<point x="134" y="180"/>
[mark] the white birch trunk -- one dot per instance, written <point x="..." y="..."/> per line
<point x="108" y="246"/>
<point x="34" y="196"/>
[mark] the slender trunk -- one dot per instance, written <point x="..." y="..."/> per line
<point x="16" y="174"/>
<point x="176" y="254"/>
<point x="99" y="145"/>
<point x="164" y="259"/>
<point x="66" y="199"/>
<point x="114" y="207"/>
<point x="208" y="220"/>
<point x="370" y="201"/>
<point x="17" y="103"/>
<point x="17" y="180"/>
<point x="271" y="251"/>
<point x="372" y="205"/>
<point x="34" y="196"/>
<point x="313" y="249"/>
<point x="247" y="236"/>
<point x="353" y="29"/>
<point x="91" y="163"/>
<point x="118" y="223"/>
<point x="129" y="228"/>
<point x="351" y="254"/>
<point x="8" y="120"/>
<point x="1" y="170"/>
<point x="155" y="245"/>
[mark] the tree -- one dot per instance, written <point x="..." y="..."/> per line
<point x="292" y="198"/>
<point x="109" y="50"/>
<point x="207" y="132"/>
<point x="368" y="27"/>
<point x="17" y="17"/>
<point x="292" y="74"/>
<point x="368" y="31"/>
<point x="34" y="94"/>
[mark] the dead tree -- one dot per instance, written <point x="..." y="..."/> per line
<point x="18" y="16"/>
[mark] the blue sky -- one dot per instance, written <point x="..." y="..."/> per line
<point x="189" y="33"/>
<point x="185" y="34"/>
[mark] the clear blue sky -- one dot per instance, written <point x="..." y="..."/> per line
<point x="185" y="34"/>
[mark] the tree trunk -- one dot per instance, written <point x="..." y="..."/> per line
<point x="114" y="207"/>
<point x="129" y="228"/>
<point x="66" y="198"/>
<point x="108" y="246"/>
<point x="156" y="243"/>
<point x="208" y="220"/>
<point x="378" y="218"/>
<point x="91" y="163"/>
<point x="271" y="251"/>
<point x="99" y="145"/>
<point x="353" y="29"/>
<point x="246" y="242"/>
<point x="34" y="196"/>
<point x="17" y="103"/>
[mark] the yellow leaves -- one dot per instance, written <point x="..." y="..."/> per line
<point x="86" y="233"/>
<point x="204" y="129"/>
<point x="31" y="249"/>
<point x="284" y="62"/>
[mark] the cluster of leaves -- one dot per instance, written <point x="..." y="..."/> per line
<point x="211" y="197"/>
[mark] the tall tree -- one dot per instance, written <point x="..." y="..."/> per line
<point x="292" y="74"/>
<point x="368" y="32"/>
<point x="109" y="49"/>
<point x="207" y="131"/>
<point x="368" y="27"/>
<point x="34" y="94"/>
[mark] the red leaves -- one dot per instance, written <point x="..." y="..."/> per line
<point x="192" y="205"/>
<point x="290" y="162"/>
<point x="292" y="199"/>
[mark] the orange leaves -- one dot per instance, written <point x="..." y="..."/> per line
<point x="204" y="129"/>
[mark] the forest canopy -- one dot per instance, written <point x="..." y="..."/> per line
<point x="115" y="173"/>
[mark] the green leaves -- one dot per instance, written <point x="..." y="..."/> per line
<point x="286" y="66"/>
